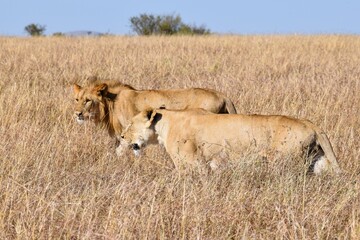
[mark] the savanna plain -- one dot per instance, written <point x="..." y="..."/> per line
<point x="60" y="180"/>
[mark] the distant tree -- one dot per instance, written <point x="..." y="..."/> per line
<point x="164" y="25"/>
<point x="145" y="24"/>
<point x="169" y="24"/>
<point x="58" y="34"/>
<point x="186" y="29"/>
<point x="35" y="29"/>
<point x="201" y="30"/>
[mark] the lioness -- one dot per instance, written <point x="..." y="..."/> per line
<point x="113" y="104"/>
<point x="190" y="135"/>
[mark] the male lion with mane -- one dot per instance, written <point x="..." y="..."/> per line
<point x="113" y="104"/>
<point x="192" y="135"/>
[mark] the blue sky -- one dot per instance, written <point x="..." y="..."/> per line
<point x="226" y="16"/>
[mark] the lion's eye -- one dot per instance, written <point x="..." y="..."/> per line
<point x="77" y="99"/>
<point x="87" y="100"/>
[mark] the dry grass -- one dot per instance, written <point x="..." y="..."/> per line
<point x="63" y="181"/>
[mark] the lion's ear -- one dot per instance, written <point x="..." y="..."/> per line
<point x="153" y="117"/>
<point x="77" y="88"/>
<point x="149" y="112"/>
<point x="147" y="115"/>
<point x="101" y="89"/>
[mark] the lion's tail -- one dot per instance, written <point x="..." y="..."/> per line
<point x="324" y="142"/>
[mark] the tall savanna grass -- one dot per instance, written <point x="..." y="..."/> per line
<point x="59" y="180"/>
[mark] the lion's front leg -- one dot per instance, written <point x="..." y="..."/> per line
<point x="183" y="153"/>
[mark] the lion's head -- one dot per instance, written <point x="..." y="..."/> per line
<point x="96" y="101"/>
<point x="140" y="132"/>
<point x="89" y="102"/>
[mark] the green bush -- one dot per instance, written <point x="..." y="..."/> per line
<point x="164" y="25"/>
<point x="35" y="29"/>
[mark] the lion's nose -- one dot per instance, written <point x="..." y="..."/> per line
<point x="135" y="146"/>
<point x="78" y="114"/>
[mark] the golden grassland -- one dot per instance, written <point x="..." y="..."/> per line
<point x="59" y="180"/>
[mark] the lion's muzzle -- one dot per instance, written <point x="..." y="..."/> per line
<point x="136" y="149"/>
<point x="79" y="116"/>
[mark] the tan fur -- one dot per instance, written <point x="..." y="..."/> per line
<point x="196" y="134"/>
<point x="113" y="104"/>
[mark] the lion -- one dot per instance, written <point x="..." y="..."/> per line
<point x="190" y="136"/>
<point x="113" y="104"/>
